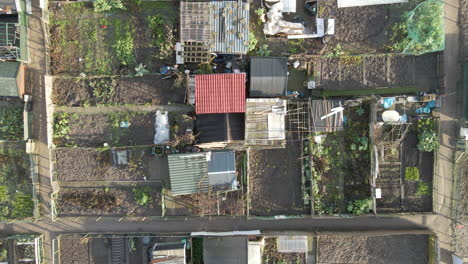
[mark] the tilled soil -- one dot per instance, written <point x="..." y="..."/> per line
<point x="106" y="202"/>
<point x="78" y="164"/>
<point x="74" y="251"/>
<point x="210" y="204"/>
<point x="376" y="74"/>
<point x="397" y="249"/>
<point x="95" y="130"/>
<point x="275" y="181"/>
<point x="149" y="89"/>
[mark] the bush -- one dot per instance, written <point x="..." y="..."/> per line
<point x="142" y="195"/>
<point x="423" y="189"/>
<point x="360" y="207"/>
<point x="11" y="123"/>
<point x="411" y="174"/>
<point x="101" y="6"/>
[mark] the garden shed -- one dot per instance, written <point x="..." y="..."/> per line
<point x="265" y="122"/>
<point x="213" y="27"/>
<point x="220" y="93"/>
<point x="229" y="250"/>
<point x="202" y="172"/>
<point x="268" y="77"/>
<point x="11" y="79"/>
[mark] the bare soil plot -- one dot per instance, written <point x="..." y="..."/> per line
<point x="84" y="41"/>
<point x="113" y="201"/>
<point x="272" y="256"/>
<point x="74" y="251"/>
<point x="149" y="89"/>
<point x="275" y="181"/>
<point x="80" y="164"/>
<point x="390" y="249"/>
<point x="116" y="129"/>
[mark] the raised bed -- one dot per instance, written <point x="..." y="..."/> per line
<point x="110" y="201"/>
<point x="275" y="181"/>
<point x="149" y="89"/>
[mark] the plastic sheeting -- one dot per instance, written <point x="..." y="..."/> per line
<point x="276" y="24"/>
<point x="161" y="126"/>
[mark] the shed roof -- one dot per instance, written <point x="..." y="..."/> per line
<point x="188" y="173"/>
<point x="227" y="250"/>
<point x="8" y="78"/>
<point x="268" y="76"/>
<point x="220" y="127"/>
<point x="220" y="93"/>
<point x="202" y="172"/>
<point x="265" y="121"/>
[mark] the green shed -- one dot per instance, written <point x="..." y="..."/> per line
<point x="12" y="79"/>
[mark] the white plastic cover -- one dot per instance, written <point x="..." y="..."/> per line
<point x="275" y="23"/>
<point x="161" y="128"/>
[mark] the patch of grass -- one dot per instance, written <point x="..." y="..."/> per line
<point x="411" y="174"/>
<point x="142" y="195"/>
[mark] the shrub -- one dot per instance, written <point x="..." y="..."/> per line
<point x="101" y="6"/>
<point x="124" y="49"/>
<point x="411" y="174"/>
<point x="11" y="123"/>
<point x="61" y="125"/>
<point x="253" y="41"/>
<point x="423" y="189"/>
<point x="360" y="207"/>
<point x="142" y="195"/>
<point x="264" y="51"/>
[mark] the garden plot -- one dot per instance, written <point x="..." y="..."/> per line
<point x="110" y="201"/>
<point x="406" y="171"/>
<point x="395" y="249"/>
<point x="84" y="39"/>
<point x="148" y="89"/>
<point x="117" y="129"/>
<point x="339" y="170"/>
<point x="87" y="164"/>
<point x="16" y="188"/>
<point x="275" y="185"/>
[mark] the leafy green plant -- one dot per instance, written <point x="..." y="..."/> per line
<point x="124" y="49"/>
<point x="162" y="35"/>
<point x="411" y="174"/>
<point x="260" y="13"/>
<point x="102" y="6"/>
<point x="141" y="70"/>
<point x="428" y="140"/>
<point x="11" y="123"/>
<point x="337" y="51"/>
<point x="263" y="51"/>
<point x="142" y="195"/>
<point x="61" y="125"/>
<point x="360" y="207"/>
<point x="423" y="189"/>
<point x="103" y="90"/>
<point x="253" y="42"/>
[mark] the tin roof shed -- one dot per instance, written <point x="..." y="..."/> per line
<point x="220" y="93"/>
<point x="268" y="76"/>
<point x="202" y="172"/>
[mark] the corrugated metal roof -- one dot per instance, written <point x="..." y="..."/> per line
<point x="268" y="76"/>
<point x="8" y="81"/>
<point x="353" y="3"/>
<point x="222" y="161"/>
<point x="188" y="173"/>
<point x="230" y="25"/>
<point x="220" y="93"/>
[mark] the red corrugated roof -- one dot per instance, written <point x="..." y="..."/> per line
<point x="220" y="93"/>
